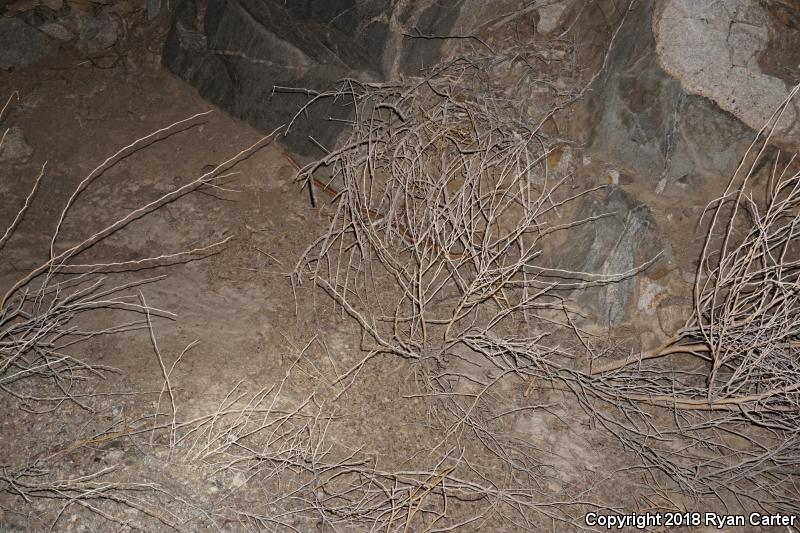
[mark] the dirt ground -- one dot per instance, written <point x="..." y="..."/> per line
<point x="254" y="331"/>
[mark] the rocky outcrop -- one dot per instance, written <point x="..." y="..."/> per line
<point x="676" y="102"/>
<point x="647" y="123"/>
<point x="686" y="85"/>
<point x="603" y="256"/>
<point x="718" y="50"/>
<point x="262" y="60"/>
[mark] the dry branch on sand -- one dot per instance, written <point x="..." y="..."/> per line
<point x="451" y="199"/>
<point x="253" y="444"/>
<point x="262" y="461"/>
<point x="39" y="311"/>
<point x="41" y="334"/>
<point x="443" y="191"/>
<point x="442" y="196"/>
<point x="257" y="440"/>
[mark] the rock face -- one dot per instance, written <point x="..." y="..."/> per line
<point x="649" y="124"/>
<point x="677" y="101"/>
<point x="623" y="237"/>
<point x="716" y="50"/>
<point x="687" y="84"/>
<point x="243" y="54"/>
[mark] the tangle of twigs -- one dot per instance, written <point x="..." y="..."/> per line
<point x="442" y="202"/>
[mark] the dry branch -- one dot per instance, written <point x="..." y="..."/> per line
<point x="39" y="311"/>
<point x="441" y="204"/>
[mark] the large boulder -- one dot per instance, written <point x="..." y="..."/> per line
<point x="262" y="60"/>
<point x="730" y="52"/>
<point x="641" y="119"/>
<point x="685" y="86"/>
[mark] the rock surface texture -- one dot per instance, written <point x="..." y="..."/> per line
<point x="20" y="44"/>
<point x="716" y="50"/>
<point x="14" y="147"/>
<point x="30" y="29"/>
<point x="620" y="236"/>
<point x="262" y="60"/>
<point x="650" y="123"/>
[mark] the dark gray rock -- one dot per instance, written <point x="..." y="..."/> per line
<point x="623" y="238"/>
<point x="642" y="120"/>
<point x="21" y="45"/>
<point x="237" y="52"/>
<point x="98" y="34"/>
<point x="56" y="31"/>
<point x="240" y="50"/>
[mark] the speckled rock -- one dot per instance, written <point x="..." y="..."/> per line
<point x="713" y="50"/>
<point x="679" y="97"/>
<point x="622" y="236"/>
<point x="20" y="44"/>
